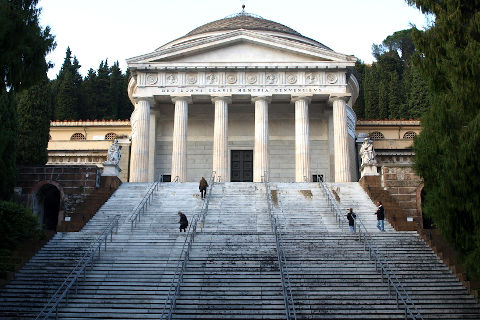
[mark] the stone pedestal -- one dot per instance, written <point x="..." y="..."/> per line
<point x="180" y="129"/>
<point x="302" y="139"/>
<point x="111" y="170"/>
<point x="368" y="170"/>
<point x="220" y="138"/>
<point x="140" y="140"/>
<point x="340" y="138"/>
<point x="260" y="152"/>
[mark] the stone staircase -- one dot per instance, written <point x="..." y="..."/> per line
<point x="233" y="271"/>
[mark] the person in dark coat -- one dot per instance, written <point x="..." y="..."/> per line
<point x="380" y="216"/>
<point x="183" y="221"/>
<point x="351" y="220"/>
<point x="203" y="187"/>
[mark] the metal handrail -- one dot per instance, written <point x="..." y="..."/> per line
<point x="143" y="204"/>
<point x="381" y="261"/>
<point x="174" y="290"/>
<point x="81" y="266"/>
<point x="290" y="312"/>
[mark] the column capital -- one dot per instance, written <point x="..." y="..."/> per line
<point x="148" y="99"/>
<point x="307" y="98"/>
<point x="339" y="96"/>
<point x="227" y="99"/>
<point x="187" y="99"/>
<point x="268" y="99"/>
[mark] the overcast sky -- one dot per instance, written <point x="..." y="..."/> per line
<point x="121" y="29"/>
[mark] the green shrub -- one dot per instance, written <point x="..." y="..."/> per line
<point x="17" y="224"/>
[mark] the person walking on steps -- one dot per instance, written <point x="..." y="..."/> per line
<point x="351" y="219"/>
<point x="380" y="216"/>
<point x="203" y="187"/>
<point x="183" y="221"/>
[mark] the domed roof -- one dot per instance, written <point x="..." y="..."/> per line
<point x="243" y="20"/>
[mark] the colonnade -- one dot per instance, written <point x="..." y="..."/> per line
<point x="141" y="140"/>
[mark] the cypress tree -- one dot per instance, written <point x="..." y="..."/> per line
<point x="115" y="89"/>
<point x="371" y="84"/>
<point x="126" y="108"/>
<point x="33" y="108"/>
<point x="24" y="45"/>
<point x="447" y="149"/>
<point x="8" y="146"/>
<point x="67" y="102"/>
<point x="89" y="95"/>
<point x="359" y="106"/>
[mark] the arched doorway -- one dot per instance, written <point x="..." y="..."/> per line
<point x="46" y="205"/>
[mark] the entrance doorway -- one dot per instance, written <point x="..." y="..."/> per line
<point x="242" y="166"/>
<point x="47" y="205"/>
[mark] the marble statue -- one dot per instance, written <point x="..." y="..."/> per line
<point x="367" y="153"/>
<point x="114" y="154"/>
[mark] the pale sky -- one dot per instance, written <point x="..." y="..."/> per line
<point x="121" y="29"/>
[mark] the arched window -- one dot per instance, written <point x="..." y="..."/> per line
<point x="409" y="135"/>
<point x="77" y="136"/>
<point x="376" y="135"/>
<point x="110" y="136"/>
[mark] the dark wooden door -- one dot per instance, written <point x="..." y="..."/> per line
<point x="242" y="166"/>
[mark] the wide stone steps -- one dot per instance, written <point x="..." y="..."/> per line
<point x="233" y="271"/>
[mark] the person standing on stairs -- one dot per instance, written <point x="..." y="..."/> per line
<point x="380" y="216"/>
<point x="203" y="187"/>
<point x="351" y="219"/>
<point x="183" y="221"/>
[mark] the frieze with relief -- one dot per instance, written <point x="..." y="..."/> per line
<point x="241" y="78"/>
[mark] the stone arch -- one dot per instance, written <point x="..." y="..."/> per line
<point x="47" y="204"/>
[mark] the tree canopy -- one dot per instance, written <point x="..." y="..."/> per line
<point x="391" y="87"/>
<point x="448" y="148"/>
<point x="24" y="45"/>
<point x="102" y="94"/>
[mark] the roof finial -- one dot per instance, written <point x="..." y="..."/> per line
<point x="243" y="8"/>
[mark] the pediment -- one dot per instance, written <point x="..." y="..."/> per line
<point x="241" y="47"/>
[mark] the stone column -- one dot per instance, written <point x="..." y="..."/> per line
<point x="340" y="137"/>
<point x="140" y="140"/>
<point x="180" y="126"/>
<point x="260" y="152"/>
<point x="220" y="138"/>
<point x="302" y="139"/>
<point x="153" y="133"/>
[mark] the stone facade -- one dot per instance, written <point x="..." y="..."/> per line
<point x="229" y="87"/>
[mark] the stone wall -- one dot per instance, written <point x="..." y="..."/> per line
<point x="402" y="183"/>
<point x="82" y="191"/>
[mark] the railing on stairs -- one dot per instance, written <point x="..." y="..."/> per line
<point x="81" y="267"/>
<point x="174" y="291"/>
<point x="290" y="312"/>
<point x="381" y="263"/>
<point x="143" y="205"/>
<point x="332" y="204"/>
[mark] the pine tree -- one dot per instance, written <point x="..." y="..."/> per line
<point x="115" y="89"/>
<point x="447" y="150"/>
<point x="33" y="109"/>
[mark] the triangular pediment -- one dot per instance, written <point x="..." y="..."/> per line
<point x="240" y="46"/>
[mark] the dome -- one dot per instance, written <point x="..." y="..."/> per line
<point x="243" y="20"/>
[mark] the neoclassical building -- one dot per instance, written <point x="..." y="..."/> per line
<point x="242" y="96"/>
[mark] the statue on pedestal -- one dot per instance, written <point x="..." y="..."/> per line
<point x="114" y="154"/>
<point x="367" y="153"/>
<point x="110" y="167"/>
<point x="369" y="162"/>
